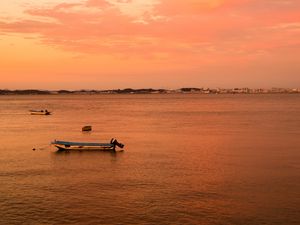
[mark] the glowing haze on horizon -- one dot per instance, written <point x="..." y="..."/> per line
<point x="99" y="44"/>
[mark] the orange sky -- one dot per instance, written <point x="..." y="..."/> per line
<point x="99" y="44"/>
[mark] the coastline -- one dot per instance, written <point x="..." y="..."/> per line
<point x="153" y="91"/>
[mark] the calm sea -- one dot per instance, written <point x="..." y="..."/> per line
<point x="188" y="159"/>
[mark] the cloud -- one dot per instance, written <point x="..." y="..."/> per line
<point x="171" y="7"/>
<point x="168" y="29"/>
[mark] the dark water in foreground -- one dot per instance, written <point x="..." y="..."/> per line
<point x="189" y="159"/>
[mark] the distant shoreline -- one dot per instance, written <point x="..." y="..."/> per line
<point x="154" y="91"/>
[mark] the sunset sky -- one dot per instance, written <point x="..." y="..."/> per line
<point x="99" y="44"/>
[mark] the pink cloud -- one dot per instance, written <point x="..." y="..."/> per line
<point x="187" y="7"/>
<point x="98" y="3"/>
<point x="193" y="29"/>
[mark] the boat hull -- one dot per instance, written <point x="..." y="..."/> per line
<point x="40" y="113"/>
<point x="84" y="148"/>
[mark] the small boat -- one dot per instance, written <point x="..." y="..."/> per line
<point x="87" y="146"/>
<point x="40" y="112"/>
<point x="87" y="128"/>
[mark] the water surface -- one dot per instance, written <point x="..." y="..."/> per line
<point x="188" y="159"/>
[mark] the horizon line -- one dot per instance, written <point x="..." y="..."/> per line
<point x="149" y="88"/>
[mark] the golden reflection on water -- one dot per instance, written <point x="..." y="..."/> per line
<point x="188" y="159"/>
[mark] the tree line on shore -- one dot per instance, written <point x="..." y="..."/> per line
<point x="115" y="91"/>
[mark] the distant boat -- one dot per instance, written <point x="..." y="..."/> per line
<point x="87" y="128"/>
<point x="40" y="112"/>
<point x="87" y="146"/>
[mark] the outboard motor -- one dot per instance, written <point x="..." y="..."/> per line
<point x="116" y="143"/>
